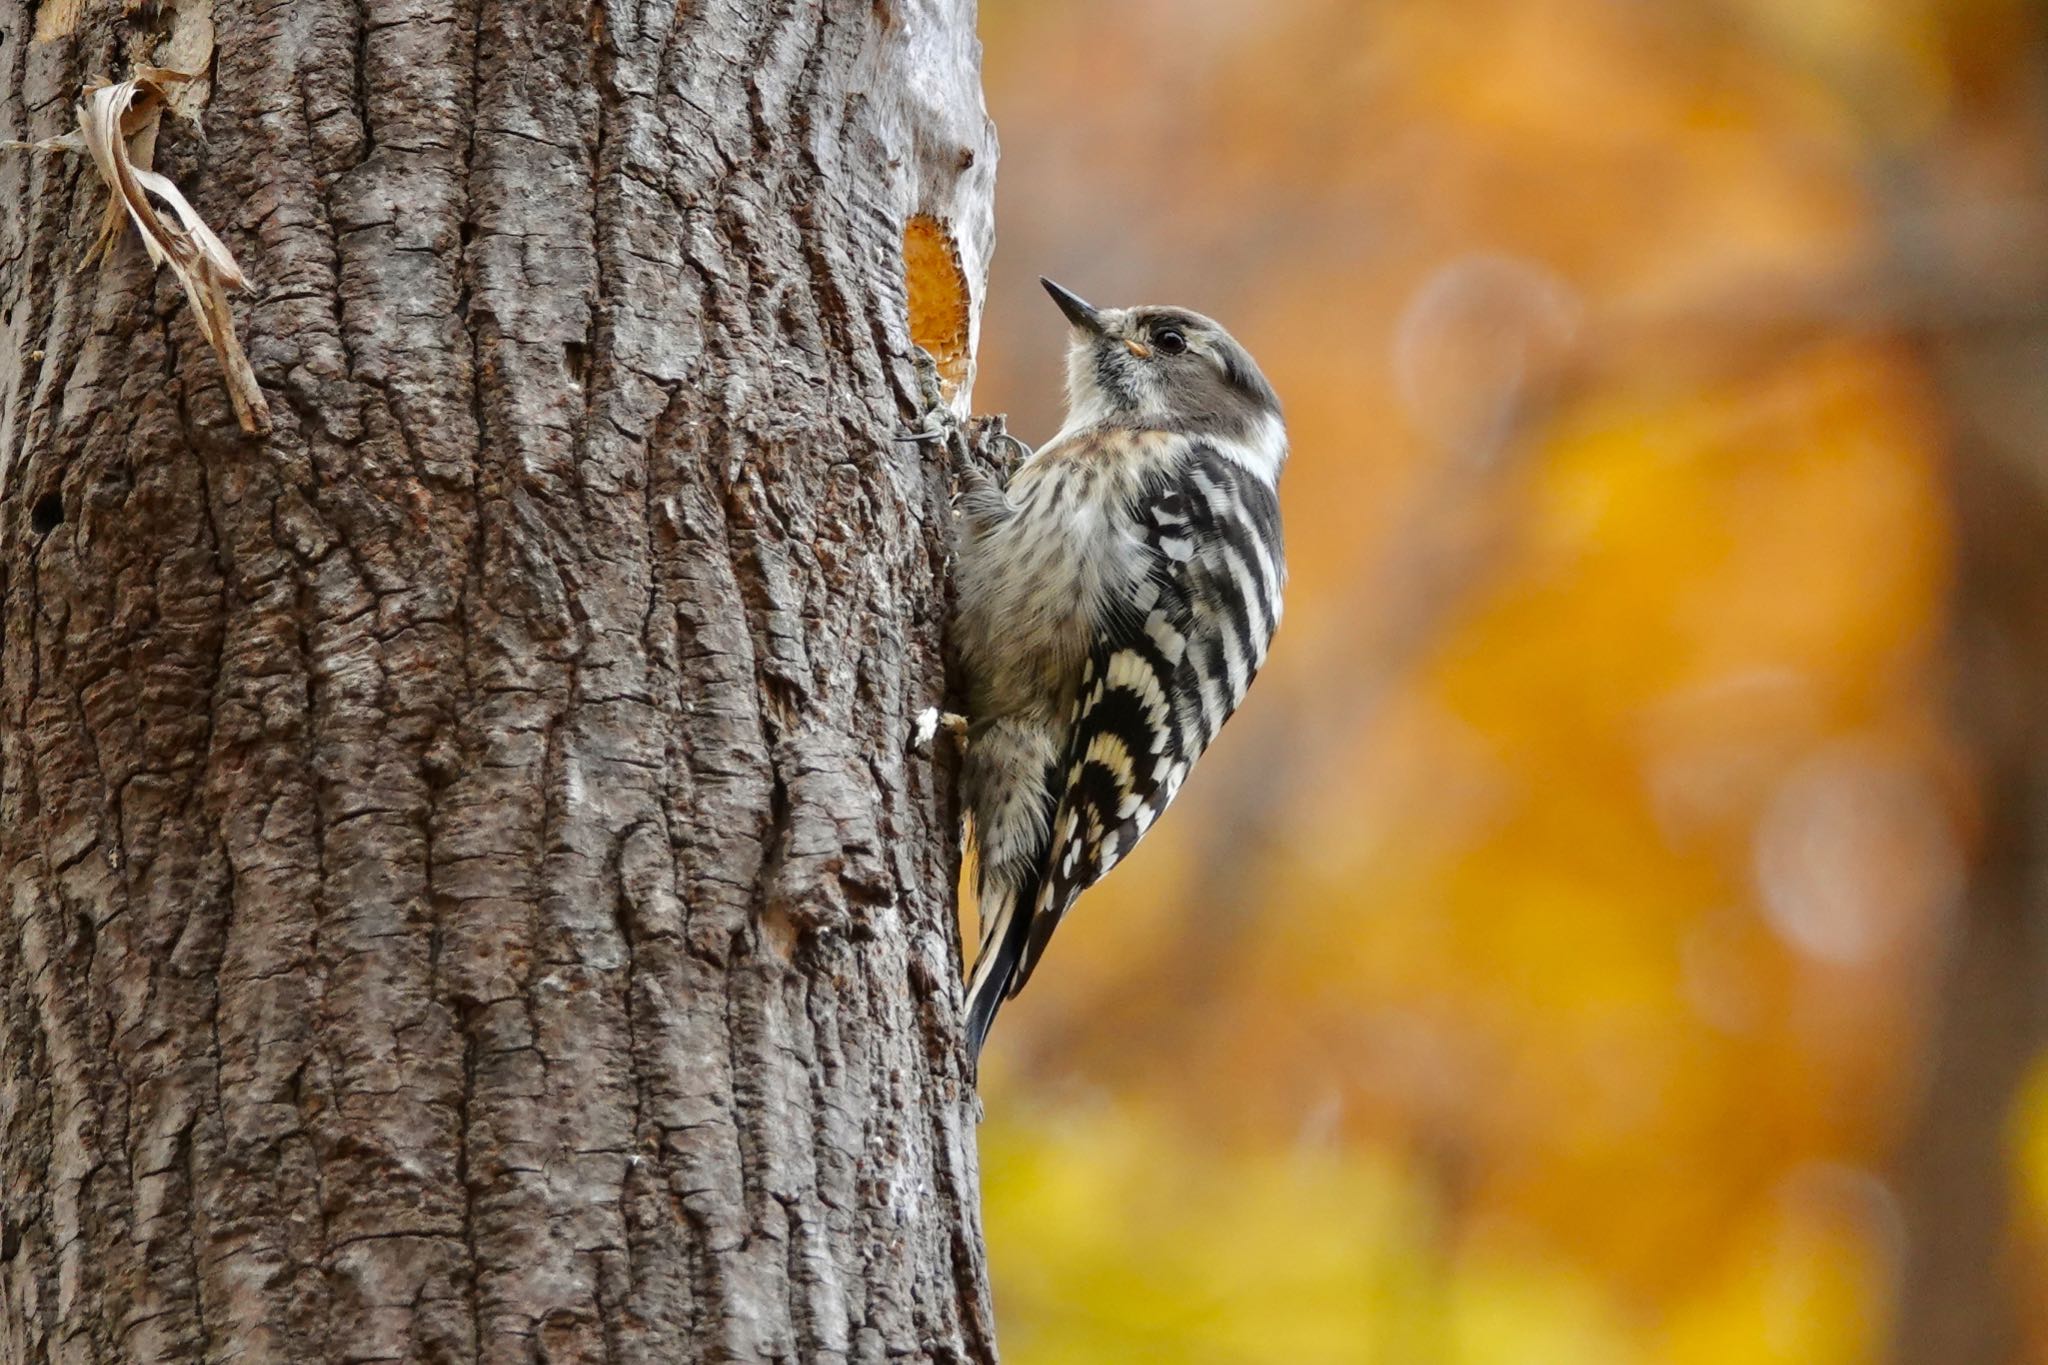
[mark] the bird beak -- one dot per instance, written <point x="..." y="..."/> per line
<point x="1077" y="309"/>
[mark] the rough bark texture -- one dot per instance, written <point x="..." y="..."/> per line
<point x="464" y="891"/>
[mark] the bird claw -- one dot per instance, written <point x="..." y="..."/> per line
<point x="1015" y="452"/>
<point x="936" y="418"/>
<point x="994" y="448"/>
<point x="976" y="444"/>
<point x="931" y="386"/>
<point x="930" y="721"/>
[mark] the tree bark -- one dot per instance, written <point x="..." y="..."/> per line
<point x="465" y="890"/>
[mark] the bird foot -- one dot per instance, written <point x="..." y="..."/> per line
<point x="994" y="448"/>
<point x="976" y="447"/>
<point x="930" y="721"/>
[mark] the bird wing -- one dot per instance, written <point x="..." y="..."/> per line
<point x="1163" y="675"/>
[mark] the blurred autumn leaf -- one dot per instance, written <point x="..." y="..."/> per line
<point x="1536" y="969"/>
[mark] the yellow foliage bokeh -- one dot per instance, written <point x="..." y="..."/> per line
<point x="1535" y="968"/>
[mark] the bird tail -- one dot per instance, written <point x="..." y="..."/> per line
<point x="995" y="970"/>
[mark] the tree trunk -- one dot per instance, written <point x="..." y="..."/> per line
<point x="465" y="891"/>
<point x="1967" y="270"/>
<point x="1962" y="1290"/>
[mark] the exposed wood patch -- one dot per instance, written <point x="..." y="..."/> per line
<point x="940" y="298"/>
<point x="56" y="18"/>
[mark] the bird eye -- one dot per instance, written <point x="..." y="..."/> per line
<point x="1170" y="340"/>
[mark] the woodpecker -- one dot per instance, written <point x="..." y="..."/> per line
<point x="1115" y="599"/>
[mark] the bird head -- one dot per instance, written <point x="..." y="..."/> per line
<point x="1164" y="368"/>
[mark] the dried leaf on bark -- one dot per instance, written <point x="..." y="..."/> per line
<point x="117" y="126"/>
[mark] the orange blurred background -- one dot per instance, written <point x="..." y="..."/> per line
<point x="1543" y="965"/>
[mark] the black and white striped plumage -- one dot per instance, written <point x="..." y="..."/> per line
<point x="1116" y="600"/>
